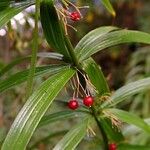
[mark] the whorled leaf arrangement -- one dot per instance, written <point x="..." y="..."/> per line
<point x="80" y="58"/>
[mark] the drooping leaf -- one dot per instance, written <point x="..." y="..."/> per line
<point x="17" y="61"/>
<point x="12" y="8"/>
<point x="73" y="137"/>
<point x="128" y="90"/>
<point x="52" y="27"/>
<point x="104" y="37"/>
<point x="130" y="119"/>
<point x="109" y="7"/>
<point x="30" y="115"/>
<point x="23" y="75"/>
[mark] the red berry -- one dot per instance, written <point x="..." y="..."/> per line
<point x="75" y="16"/>
<point x="88" y="101"/>
<point x="112" y="146"/>
<point x="73" y="104"/>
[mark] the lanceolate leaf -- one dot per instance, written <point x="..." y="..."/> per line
<point x="112" y="132"/>
<point x="23" y="75"/>
<point x="52" y="27"/>
<point x="96" y="76"/>
<point x="9" y="11"/>
<point x="98" y="80"/>
<point x="128" y="90"/>
<point x="132" y="147"/>
<point x="4" y="4"/>
<point x="34" y="109"/>
<point x="112" y="36"/>
<point x="12" y="64"/>
<point x="130" y="119"/>
<point x="58" y="117"/>
<point x="132" y="130"/>
<point x="17" y="61"/>
<point x="73" y="137"/>
<point x="109" y="7"/>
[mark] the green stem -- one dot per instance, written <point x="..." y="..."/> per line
<point x="105" y="139"/>
<point x="34" y="52"/>
<point x="72" y="53"/>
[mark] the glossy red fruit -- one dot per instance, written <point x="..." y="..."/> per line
<point x="75" y="16"/>
<point x="112" y="146"/>
<point x="73" y="104"/>
<point x="88" y="101"/>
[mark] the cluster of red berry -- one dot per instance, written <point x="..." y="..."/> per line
<point x="75" y="16"/>
<point x="112" y="146"/>
<point x="87" y="101"/>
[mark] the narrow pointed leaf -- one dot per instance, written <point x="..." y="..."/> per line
<point x="30" y="115"/>
<point x="112" y="132"/>
<point x="96" y="76"/>
<point x="109" y="7"/>
<point x="132" y="147"/>
<point x="17" y="61"/>
<point x="52" y="27"/>
<point x="128" y="90"/>
<point x="73" y="137"/>
<point x="22" y="76"/>
<point x="58" y="116"/>
<point x="131" y="129"/>
<point x="101" y="40"/>
<point x="130" y="119"/>
<point x="11" y="9"/>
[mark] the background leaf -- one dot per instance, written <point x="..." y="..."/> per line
<point x="32" y="112"/>
<point x="109" y="7"/>
<point x="13" y="9"/>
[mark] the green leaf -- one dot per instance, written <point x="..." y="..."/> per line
<point x="130" y="119"/>
<point x="96" y="76"/>
<point x="47" y="138"/>
<point x="12" y="64"/>
<point x="104" y="37"/>
<point x="128" y="90"/>
<point x="58" y="116"/>
<point x="30" y="115"/>
<point x="4" y="4"/>
<point x="109" y="7"/>
<point x="9" y="11"/>
<point x="23" y="75"/>
<point x="73" y="137"/>
<point x="52" y="28"/>
<point x="98" y="80"/>
<point x="131" y="129"/>
<point x="17" y="61"/>
<point x="111" y="131"/>
<point x="132" y="147"/>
